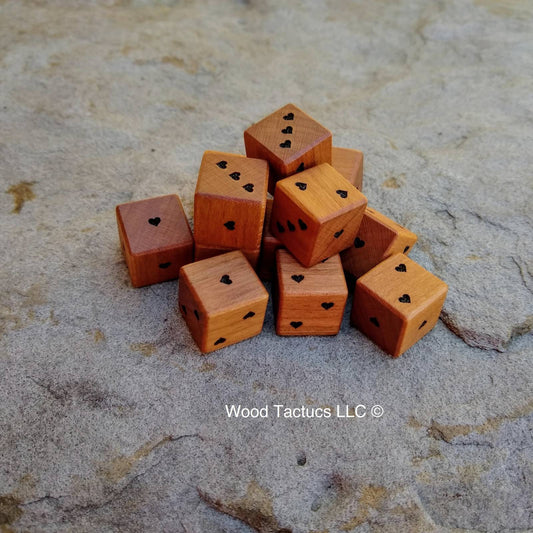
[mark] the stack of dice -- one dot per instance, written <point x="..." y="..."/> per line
<point x="316" y="231"/>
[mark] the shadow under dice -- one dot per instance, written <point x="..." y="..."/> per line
<point x="316" y="214"/>
<point x="396" y="303"/>
<point x="155" y="237"/>
<point x="222" y="300"/>
<point x="230" y="201"/>
<point x="309" y="301"/>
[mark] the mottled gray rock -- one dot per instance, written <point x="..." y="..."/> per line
<point x="111" y="420"/>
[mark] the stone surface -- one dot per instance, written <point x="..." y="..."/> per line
<point x="111" y="420"/>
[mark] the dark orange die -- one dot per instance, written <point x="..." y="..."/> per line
<point x="155" y="237"/>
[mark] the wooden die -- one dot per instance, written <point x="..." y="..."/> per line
<point x="290" y="140"/>
<point x="222" y="300"/>
<point x="350" y="164"/>
<point x="230" y="201"/>
<point x="309" y="301"/>
<point x="378" y="238"/>
<point x="316" y="213"/>
<point x="396" y="303"/>
<point x="155" y="237"/>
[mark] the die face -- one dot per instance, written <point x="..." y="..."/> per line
<point x="372" y="317"/>
<point x="316" y="214"/>
<point x="349" y="163"/>
<point x="230" y="299"/>
<point x="154" y="224"/>
<point x="404" y="242"/>
<point x="403" y="284"/>
<point x="336" y="234"/>
<point x="236" y="325"/>
<point x="405" y="239"/>
<point x="230" y="200"/>
<point x="294" y="227"/>
<point x="378" y="238"/>
<point x="233" y="176"/>
<point x="310" y="301"/>
<point x="298" y="316"/>
<point x="322" y="192"/>
<point x="224" y="281"/>
<point x="155" y="238"/>
<point x="322" y="279"/>
<point x="191" y="310"/>
<point x="202" y="251"/>
<point x="403" y="298"/>
<point x="421" y="323"/>
<point x="158" y="267"/>
<point x="289" y="139"/>
<point x="369" y="247"/>
<point x="227" y="223"/>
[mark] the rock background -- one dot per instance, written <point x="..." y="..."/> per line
<point x="110" y="419"/>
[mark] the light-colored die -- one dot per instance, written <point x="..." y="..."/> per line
<point x="222" y="300"/>
<point x="396" y="303"/>
<point x="230" y="201"/>
<point x="316" y="213"/>
<point x="309" y="301"/>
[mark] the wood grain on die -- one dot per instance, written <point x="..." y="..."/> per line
<point x="378" y="238"/>
<point x="350" y="164"/>
<point x="202" y="251"/>
<point x="316" y="213"/>
<point x="230" y="201"/>
<point x="155" y="237"/>
<point x="269" y="245"/>
<point x="397" y="303"/>
<point x="229" y="296"/>
<point x="192" y="310"/>
<point x="289" y="139"/>
<point x="309" y="301"/>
